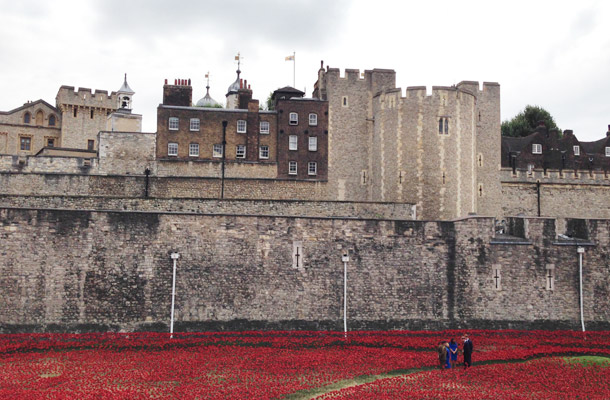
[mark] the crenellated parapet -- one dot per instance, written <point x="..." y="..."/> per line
<point x="68" y="97"/>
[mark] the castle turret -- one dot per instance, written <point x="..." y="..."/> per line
<point x="124" y="97"/>
<point x="122" y="120"/>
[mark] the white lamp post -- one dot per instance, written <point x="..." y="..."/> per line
<point x="580" y="250"/>
<point x="175" y="256"/>
<point x="345" y="259"/>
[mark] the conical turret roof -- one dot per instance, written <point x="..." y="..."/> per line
<point x="125" y="88"/>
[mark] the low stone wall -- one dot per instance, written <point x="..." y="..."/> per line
<point x="565" y="194"/>
<point x="292" y="208"/>
<point x="82" y="270"/>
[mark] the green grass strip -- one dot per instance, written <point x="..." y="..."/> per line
<point x="309" y="394"/>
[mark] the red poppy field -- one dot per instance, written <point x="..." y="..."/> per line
<point x="300" y="365"/>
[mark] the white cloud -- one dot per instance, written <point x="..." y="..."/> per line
<point x="554" y="54"/>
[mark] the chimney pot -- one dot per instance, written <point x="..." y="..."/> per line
<point x="189" y="81"/>
<point x="241" y="83"/>
<point x="166" y="81"/>
<point x="248" y="87"/>
<point x="175" y="82"/>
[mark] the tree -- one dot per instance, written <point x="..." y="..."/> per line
<point x="526" y="122"/>
<point x="270" y="101"/>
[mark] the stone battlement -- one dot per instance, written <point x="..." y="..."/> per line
<point x="84" y="97"/>
<point x="581" y="177"/>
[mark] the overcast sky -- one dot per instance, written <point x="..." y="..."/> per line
<point x="555" y="54"/>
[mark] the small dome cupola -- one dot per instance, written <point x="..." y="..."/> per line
<point x="207" y="100"/>
<point x="232" y="95"/>
<point x="124" y="96"/>
<point x="234" y="87"/>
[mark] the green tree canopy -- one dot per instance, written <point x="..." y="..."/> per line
<point x="270" y="101"/>
<point x="526" y="122"/>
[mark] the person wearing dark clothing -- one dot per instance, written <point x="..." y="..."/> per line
<point x="468" y="347"/>
<point x="442" y="354"/>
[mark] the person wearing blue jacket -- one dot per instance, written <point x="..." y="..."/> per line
<point x="453" y="347"/>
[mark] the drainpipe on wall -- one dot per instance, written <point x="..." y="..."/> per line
<point x="580" y="251"/>
<point x="538" y="194"/>
<point x="224" y="145"/>
<point x="147" y="173"/>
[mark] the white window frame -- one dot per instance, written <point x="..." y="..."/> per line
<point x="194" y="150"/>
<point x="217" y="151"/>
<point x="240" y="151"/>
<point x="293" y="118"/>
<point x="292" y="168"/>
<point x="313" y="143"/>
<point x="263" y="152"/>
<point x="536" y="148"/>
<point x="264" y="128"/>
<point x="312" y="168"/>
<point x="174" y="123"/>
<point x="241" y="126"/>
<point x="293" y="142"/>
<point x="313" y="119"/>
<point x="576" y="150"/>
<point x="607" y="151"/>
<point x="194" y="124"/>
<point x="172" y="149"/>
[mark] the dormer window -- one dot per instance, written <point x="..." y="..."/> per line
<point x="576" y="150"/>
<point x="293" y="119"/>
<point x="607" y="151"/>
<point x="536" y="148"/>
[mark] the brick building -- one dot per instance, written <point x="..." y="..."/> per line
<point x="292" y="137"/>
<point x="549" y="150"/>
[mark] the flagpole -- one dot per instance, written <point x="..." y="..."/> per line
<point x="294" y="68"/>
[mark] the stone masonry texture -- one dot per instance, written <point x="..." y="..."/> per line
<point x="91" y="270"/>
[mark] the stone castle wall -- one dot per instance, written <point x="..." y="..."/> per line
<point x="276" y="208"/>
<point x="84" y="114"/>
<point x="387" y="147"/>
<point x="350" y="130"/>
<point x="576" y="194"/>
<point x="419" y="164"/>
<point x="84" y="270"/>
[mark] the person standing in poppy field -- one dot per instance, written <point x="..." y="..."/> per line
<point x="468" y="347"/>
<point x="453" y="346"/>
<point x="442" y="354"/>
